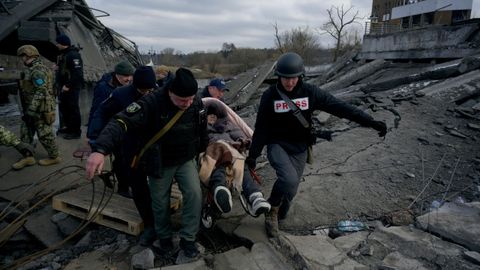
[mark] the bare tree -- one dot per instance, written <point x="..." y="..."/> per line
<point x="227" y="49"/>
<point x="338" y="20"/>
<point x="299" y="40"/>
<point x="278" y="39"/>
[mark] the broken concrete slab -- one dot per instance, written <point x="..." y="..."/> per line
<point x="322" y="117"/>
<point x="252" y="229"/>
<point x="318" y="252"/>
<point x="397" y="261"/>
<point x="40" y="226"/>
<point x="268" y="258"/>
<point x="262" y="257"/>
<point x="238" y="258"/>
<point x="66" y="224"/>
<point x="416" y="244"/>
<point x="246" y="85"/>
<point x="445" y="88"/>
<point x="196" y="265"/>
<point x="472" y="256"/>
<point x="350" y="241"/>
<point x="476" y="107"/>
<point x="355" y="75"/>
<point x="456" y="134"/>
<point x="473" y="126"/>
<point x="457" y="222"/>
<point x="420" y="244"/>
<point x="145" y="259"/>
<point x="97" y="259"/>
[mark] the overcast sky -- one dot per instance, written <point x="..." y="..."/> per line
<point x="204" y="25"/>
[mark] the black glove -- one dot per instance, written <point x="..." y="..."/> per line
<point x="28" y="120"/>
<point x="379" y="126"/>
<point x="251" y="163"/>
<point x="25" y="149"/>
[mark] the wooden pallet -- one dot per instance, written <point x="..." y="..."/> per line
<point x="120" y="213"/>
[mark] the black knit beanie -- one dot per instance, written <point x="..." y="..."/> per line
<point x="184" y="84"/>
<point x="63" y="39"/>
<point x="144" y="78"/>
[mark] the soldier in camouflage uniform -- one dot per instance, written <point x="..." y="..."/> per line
<point x="38" y="105"/>
<point x="7" y="138"/>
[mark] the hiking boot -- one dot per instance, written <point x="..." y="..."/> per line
<point x="23" y="162"/>
<point x="189" y="248"/>
<point x="49" y="161"/>
<point x="147" y="237"/>
<point x="258" y="204"/>
<point x="271" y="222"/>
<point x="223" y="199"/>
<point x="71" y="136"/>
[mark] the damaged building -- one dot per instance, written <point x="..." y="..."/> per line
<point x="428" y="29"/>
<point x="38" y="22"/>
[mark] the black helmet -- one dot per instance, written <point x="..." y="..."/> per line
<point x="289" y="65"/>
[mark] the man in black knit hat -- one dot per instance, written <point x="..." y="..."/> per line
<point x="171" y="156"/>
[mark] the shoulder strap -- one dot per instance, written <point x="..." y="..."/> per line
<point x="156" y="137"/>
<point x="295" y="110"/>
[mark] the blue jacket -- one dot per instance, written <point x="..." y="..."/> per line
<point x="118" y="100"/>
<point x="101" y="92"/>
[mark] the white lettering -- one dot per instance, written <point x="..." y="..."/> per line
<point x="281" y="106"/>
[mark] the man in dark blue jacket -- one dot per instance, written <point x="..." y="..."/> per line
<point x="143" y="83"/>
<point x="287" y="138"/>
<point x="122" y="75"/>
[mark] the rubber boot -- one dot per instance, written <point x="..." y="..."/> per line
<point x="23" y="162"/>
<point x="271" y="222"/>
<point x="49" y="161"/>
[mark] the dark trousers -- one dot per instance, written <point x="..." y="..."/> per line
<point x="137" y="180"/>
<point x="289" y="169"/>
<point x="70" y="110"/>
<point x="141" y="196"/>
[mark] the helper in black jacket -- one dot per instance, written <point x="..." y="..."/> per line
<point x="172" y="156"/>
<point x="286" y="138"/>
<point x="143" y="83"/>
<point x="70" y="82"/>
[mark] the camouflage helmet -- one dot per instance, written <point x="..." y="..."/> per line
<point x="28" y="50"/>
<point x="289" y="65"/>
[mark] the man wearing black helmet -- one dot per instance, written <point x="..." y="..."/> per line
<point x="283" y="124"/>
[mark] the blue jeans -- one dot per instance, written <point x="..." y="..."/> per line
<point x="219" y="178"/>
<point x="186" y="176"/>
